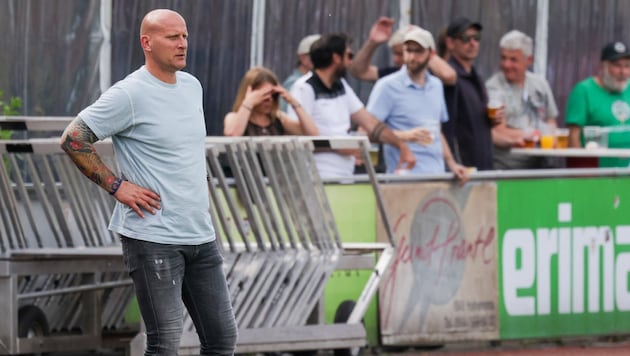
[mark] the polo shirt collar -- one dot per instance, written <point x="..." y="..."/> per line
<point x="336" y="86"/>
<point x="406" y="80"/>
<point x="461" y="72"/>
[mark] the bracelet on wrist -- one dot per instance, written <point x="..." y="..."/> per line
<point x="117" y="183"/>
<point x="246" y="107"/>
<point x="296" y="106"/>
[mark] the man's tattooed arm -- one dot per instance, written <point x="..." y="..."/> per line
<point x="78" y="142"/>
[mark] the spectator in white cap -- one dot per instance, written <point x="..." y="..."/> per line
<point x="603" y="100"/>
<point x="304" y="64"/>
<point x="411" y="103"/>
<point x="381" y="32"/>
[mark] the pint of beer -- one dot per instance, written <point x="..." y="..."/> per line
<point x="531" y="138"/>
<point x="493" y="106"/>
<point x="562" y="138"/>
<point x="530" y="142"/>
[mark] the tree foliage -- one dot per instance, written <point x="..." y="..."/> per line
<point x="10" y="108"/>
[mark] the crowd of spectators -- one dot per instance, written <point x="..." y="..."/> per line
<point x="430" y="109"/>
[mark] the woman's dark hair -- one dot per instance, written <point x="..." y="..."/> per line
<point x="322" y="50"/>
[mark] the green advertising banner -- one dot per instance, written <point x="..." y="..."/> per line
<point x="564" y="257"/>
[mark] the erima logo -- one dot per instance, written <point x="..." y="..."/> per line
<point x="579" y="269"/>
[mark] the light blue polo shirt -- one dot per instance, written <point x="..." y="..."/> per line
<point x="158" y="132"/>
<point x="402" y="105"/>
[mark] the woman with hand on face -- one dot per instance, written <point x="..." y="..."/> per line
<point x="256" y="110"/>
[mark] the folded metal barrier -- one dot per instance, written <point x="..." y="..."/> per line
<point x="272" y="215"/>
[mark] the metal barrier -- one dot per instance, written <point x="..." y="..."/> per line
<point x="280" y="243"/>
<point x="59" y="274"/>
<point x="279" y="238"/>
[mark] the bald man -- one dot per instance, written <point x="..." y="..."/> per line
<point x="155" y="119"/>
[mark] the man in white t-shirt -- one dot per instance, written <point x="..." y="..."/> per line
<point x="332" y="104"/>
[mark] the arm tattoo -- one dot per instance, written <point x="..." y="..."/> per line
<point x="78" y="142"/>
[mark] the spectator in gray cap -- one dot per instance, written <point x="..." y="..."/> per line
<point x="304" y="64"/>
<point x="530" y="109"/>
<point x="603" y="100"/>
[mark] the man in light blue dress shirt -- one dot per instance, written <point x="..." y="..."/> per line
<point x="411" y="102"/>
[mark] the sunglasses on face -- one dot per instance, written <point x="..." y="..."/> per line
<point x="468" y="38"/>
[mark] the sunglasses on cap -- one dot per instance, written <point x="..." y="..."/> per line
<point x="468" y="38"/>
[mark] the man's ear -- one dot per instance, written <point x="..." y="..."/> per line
<point x="336" y="58"/>
<point x="449" y="43"/>
<point x="144" y="42"/>
<point x="530" y="61"/>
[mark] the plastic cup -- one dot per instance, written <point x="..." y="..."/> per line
<point x="494" y="105"/>
<point x="595" y="137"/>
<point x="374" y="154"/>
<point x="546" y="141"/>
<point x="529" y="143"/>
<point x="531" y="138"/>
<point x="562" y="138"/>
<point x="434" y="128"/>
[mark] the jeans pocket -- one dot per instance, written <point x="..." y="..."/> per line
<point x="155" y="258"/>
<point x="125" y="241"/>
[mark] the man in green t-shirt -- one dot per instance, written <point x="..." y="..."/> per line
<point x="603" y="100"/>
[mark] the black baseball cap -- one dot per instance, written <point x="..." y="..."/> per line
<point x="460" y="25"/>
<point x="615" y="50"/>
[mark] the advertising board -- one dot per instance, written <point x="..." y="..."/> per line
<point x="442" y="283"/>
<point x="564" y="257"/>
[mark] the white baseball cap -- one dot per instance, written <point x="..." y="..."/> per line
<point x="305" y="44"/>
<point x="398" y="37"/>
<point x="420" y="36"/>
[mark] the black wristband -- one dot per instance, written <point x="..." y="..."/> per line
<point x="116" y="185"/>
<point x="376" y="132"/>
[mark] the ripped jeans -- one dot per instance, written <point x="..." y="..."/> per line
<point x="167" y="278"/>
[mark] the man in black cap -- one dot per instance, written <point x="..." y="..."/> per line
<point x="468" y="130"/>
<point x="603" y="100"/>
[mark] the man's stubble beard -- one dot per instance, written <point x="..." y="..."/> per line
<point x="341" y="72"/>
<point x="421" y="67"/>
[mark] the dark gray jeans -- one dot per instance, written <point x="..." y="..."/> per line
<point x="167" y="277"/>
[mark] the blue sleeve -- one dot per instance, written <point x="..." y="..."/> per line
<point x="379" y="103"/>
<point x="443" y="111"/>
<point x="110" y="114"/>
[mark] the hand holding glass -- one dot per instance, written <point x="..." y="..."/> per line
<point x="530" y="138"/>
<point x="494" y="105"/>
<point x="424" y="135"/>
